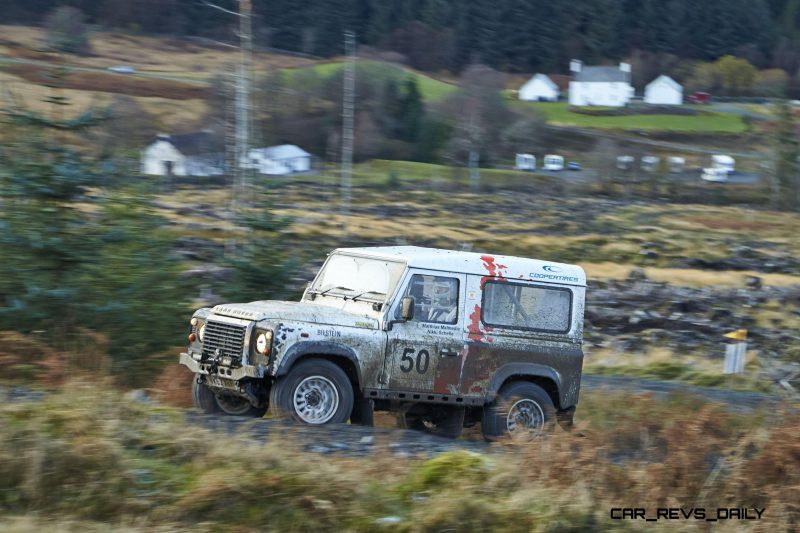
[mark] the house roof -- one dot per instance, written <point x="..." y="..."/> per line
<point x="595" y="74"/>
<point x="282" y="151"/>
<point x="195" y="143"/>
<point x="666" y="80"/>
<point x="503" y="266"/>
<point x="544" y="78"/>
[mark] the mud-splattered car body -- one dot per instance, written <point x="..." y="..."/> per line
<point x="479" y="322"/>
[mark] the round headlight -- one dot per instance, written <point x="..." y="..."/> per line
<point x="263" y="341"/>
<point x="201" y="332"/>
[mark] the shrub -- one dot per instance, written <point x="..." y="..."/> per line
<point x="67" y="31"/>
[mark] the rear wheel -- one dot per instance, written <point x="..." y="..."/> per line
<point x="521" y="409"/>
<point x="315" y="391"/>
<point x="226" y="403"/>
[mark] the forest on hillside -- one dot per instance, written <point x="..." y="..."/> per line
<point x="512" y="35"/>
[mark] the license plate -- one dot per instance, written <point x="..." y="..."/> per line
<point x="221" y="383"/>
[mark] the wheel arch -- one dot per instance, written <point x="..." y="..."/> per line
<point x="342" y="356"/>
<point x="541" y="375"/>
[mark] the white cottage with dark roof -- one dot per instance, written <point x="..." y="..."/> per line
<point x="600" y="86"/>
<point x="189" y="154"/>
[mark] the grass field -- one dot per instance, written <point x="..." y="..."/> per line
<point x="430" y="88"/>
<point x="558" y="113"/>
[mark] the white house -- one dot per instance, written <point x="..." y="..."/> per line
<point x="600" y="86"/>
<point x="278" y="160"/>
<point x="663" y="91"/>
<point x="540" y="88"/>
<point x="189" y="154"/>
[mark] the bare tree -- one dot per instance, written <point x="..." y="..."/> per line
<point x="478" y="115"/>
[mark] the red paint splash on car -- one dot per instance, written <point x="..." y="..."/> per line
<point x="474" y="329"/>
<point x="494" y="269"/>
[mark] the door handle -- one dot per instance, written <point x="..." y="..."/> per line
<point x="445" y="352"/>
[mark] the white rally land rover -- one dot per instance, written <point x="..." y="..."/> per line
<point x="445" y="339"/>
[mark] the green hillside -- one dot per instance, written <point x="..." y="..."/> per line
<point x="431" y="89"/>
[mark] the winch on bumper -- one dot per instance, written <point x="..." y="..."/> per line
<point x="234" y="374"/>
<point x="220" y="354"/>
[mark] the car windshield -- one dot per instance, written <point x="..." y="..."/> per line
<point x="361" y="277"/>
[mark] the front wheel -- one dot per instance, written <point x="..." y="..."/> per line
<point x="521" y="409"/>
<point x="315" y="391"/>
<point x="229" y="404"/>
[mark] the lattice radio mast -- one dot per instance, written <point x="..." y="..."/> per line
<point x="348" y="117"/>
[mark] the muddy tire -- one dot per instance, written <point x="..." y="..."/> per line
<point x="210" y="403"/>
<point x="233" y="405"/>
<point x="315" y="391"/>
<point x="521" y="409"/>
<point x="203" y="398"/>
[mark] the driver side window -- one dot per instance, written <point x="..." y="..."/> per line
<point x="435" y="298"/>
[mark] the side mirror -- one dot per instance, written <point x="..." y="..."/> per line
<point x="407" y="308"/>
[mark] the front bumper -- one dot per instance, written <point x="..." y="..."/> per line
<point x="246" y="371"/>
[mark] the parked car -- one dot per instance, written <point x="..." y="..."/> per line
<point x="447" y="339"/>
<point x="122" y="69"/>
<point x="718" y="175"/>
<point x="699" y="97"/>
<point x="574" y="165"/>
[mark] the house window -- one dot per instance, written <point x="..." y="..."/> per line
<point x="526" y="307"/>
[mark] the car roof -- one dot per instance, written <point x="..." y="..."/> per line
<point x="501" y="266"/>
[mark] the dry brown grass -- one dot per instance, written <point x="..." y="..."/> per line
<point x="143" y="465"/>
<point x="35" y="55"/>
<point x="31" y="358"/>
<point x="110" y="83"/>
<point x="174" y="386"/>
<point x="156" y="55"/>
<point x="26" y="357"/>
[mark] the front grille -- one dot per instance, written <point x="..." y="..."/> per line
<point x="227" y="338"/>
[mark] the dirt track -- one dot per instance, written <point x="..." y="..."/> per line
<point x="355" y="440"/>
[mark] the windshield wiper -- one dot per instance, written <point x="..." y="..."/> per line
<point x="326" y="291"/>
<point x="367" y="292"/>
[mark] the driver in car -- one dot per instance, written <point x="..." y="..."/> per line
<point x="443" y="303"/>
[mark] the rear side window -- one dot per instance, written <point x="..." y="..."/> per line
<point x="526" y="307"/>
